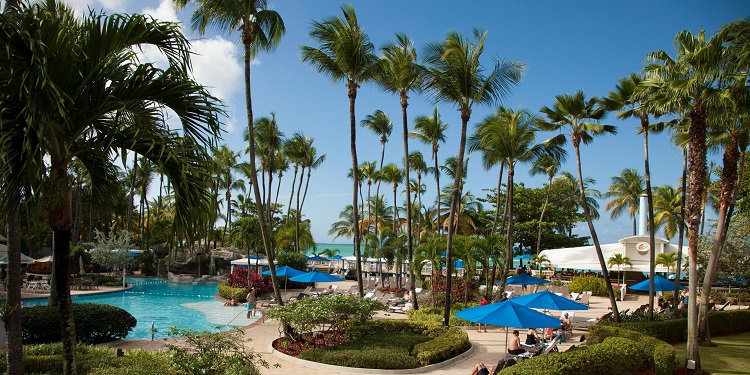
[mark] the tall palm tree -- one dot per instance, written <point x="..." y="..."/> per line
<point x="509" y="137"/>
<point x="692" y="77"/>
<point x="295" y="149"/>
<point x="401" y="75"/>
<point x="345" y="53"/>
<point x="569" y="183"/>
<point x="626" y="189"/>
<point x="269" y="141"/>
<point x="117" y="107"/>
<point x="431" y="130"/>
<point x="581" y="116"/>
<point x="549" y="165"/>
<point x="668" y="260"/>
<point x="226" y="162"/>
<point x="381" y="125"/>
<point x="667" y="210"/>
<point x="261" y="30"/>
<point x="455" y="75"/>
<point x="416" y="160"/>
<point x="312" y="161"/>
<point x="369" y="173"/>
<point x="391" y="173"/>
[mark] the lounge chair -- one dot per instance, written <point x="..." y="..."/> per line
<point x="724" y="306"/>
<point x="400" y="309"/>
<point x="584" y="300"/>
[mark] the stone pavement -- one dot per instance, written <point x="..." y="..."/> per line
<point x="487" y="347"/>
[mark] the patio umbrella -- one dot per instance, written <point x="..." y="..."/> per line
<point x="525" y="279"/>
<point x="315" y="277"/>
<point x="508" y="314"/>
<point x="284" y="271"/>
<point x="548" y="301"/>
<point x="316" y="258"/>
<point x="660" y="285"/>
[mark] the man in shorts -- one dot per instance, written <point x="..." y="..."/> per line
<point x="251" y="302"/>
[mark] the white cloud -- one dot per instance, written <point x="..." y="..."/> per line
<point x="216" y="66"/>
<point x="166" y="11"/>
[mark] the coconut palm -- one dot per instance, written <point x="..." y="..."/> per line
<point x="269" y="141"/>
<point x="626" y="189"/>
<point x="381" y="125"/>
<point x="549" y="165"/>
<point x="261" y="30"/>
<point x="569" y="183"/>
<point x="619" y="260"/>
<point x="392" y="174"/>
<point x="226" y="162"/>
<point x="312" y="161"/>
<point x="430" y="251"/>
<point x="345" y="53"/>
<point x="539" y="261"/>
<point x="693" y="76"/>
<point x="667" y="210"/>
<point x="369" y="172"/>
<point x="105" y="103"/>
<point x="668" y="260"/>
<point x="402" y="74"/>
<point x="295" y="149"/>
<point x="431" y="130"/>
<point x="581" y="116"/>
<point x="416" y="161"/>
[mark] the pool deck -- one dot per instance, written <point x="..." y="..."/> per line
<point x="487" y="347"/>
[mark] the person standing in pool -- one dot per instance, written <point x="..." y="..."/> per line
<point x="251" y="302"/>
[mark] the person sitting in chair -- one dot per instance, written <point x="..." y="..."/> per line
<point x="233" y="302"/>
<point x="514" y="345"/>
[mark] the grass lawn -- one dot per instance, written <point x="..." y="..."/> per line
<point x="728" y="357"/>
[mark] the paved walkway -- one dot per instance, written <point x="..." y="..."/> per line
<point x="488" y="347"/>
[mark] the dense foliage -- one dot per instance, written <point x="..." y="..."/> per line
<point x="720" y="322"/>
<point x="207" y="353"/>
<point x="734" y="262"/>
<point x="95" y="323"/>
<point x="588" y="283"/>
<point x="292" y="259"/>
<point x="239" y="279"/>
<point x="658" y="355"/>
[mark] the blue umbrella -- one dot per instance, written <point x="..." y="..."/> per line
<point x="284" y="271"/>
<point x="548" y="301"/>
<point x="335" y="257"/>
<point x="316" y="258"/>
<point x="525" y="279"/>
<point x="508" y="314"/>
<point x="660" y="285"/>
<point x="315" y="277"/>
<point x="458" y="264"/>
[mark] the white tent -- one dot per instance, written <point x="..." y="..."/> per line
<point x="635" y="248"/>
<point x="262" y="264"/>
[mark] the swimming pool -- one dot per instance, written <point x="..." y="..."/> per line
<point x="168" y="304"/>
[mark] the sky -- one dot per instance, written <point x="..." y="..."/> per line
<point x="566" y="45"/>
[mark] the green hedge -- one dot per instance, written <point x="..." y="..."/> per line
<point x="227" y="292"/>
<point x="614" y="356"/>
<point x="95" y="323"/>
<point x="659" y="355"/>
<point x="588" y="283"/>
<point x="382" y="350"/>
<point x="435" y="314"/>
<point x="720" y="322"/>
<point x="446" y="343"/>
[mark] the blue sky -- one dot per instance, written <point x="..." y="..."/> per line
<point x="567" y="46"/>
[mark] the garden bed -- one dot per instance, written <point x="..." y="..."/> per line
<point x="321" y="340"/>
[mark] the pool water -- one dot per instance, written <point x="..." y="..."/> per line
<point x="168" y="304"/>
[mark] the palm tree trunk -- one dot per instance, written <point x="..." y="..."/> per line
<point x="651" y="227"/>
<point x="61" y="220"/>
<point x="728" y="179"/>
<point x="697" y="171"/>
<point x="228" y="197"/>
<point x="541" y="217"/>
<point x="377" y="189"/>
<point x="509" y="233"/>
<point x="409" y="240"/>
<point x="594" y="237"/>
<point x="278" y="188"/>
<point x="497" y="200"/>
<point x="681" y="231"/>
<point x="307" y="184"/>
<point x="352" y="94"/>
<point x="291" y="195"/>
<point x="455" y="196"/>
<point x="297" y="214"/>
<point x="437" y="183"/>
<point x="12" y="316"/>
<point x="132" y="189"/>
<point x="264" y="230"/>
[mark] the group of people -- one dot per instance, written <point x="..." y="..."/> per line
<point x="514" y="347"/>
<point x="251" y="299"/>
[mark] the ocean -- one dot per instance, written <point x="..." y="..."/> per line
<point x="343" y="248"/>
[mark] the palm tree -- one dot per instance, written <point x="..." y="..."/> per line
<point x="226" y="161"/>
<point x="507" y="136"/>
<point x="429" y="250"/>
<point x="667" y="210"/>
<point x="575" y="112"/>
<point x="261" y="30"/>
<point x="345" y="53"/>
<point x="116" y="107"/>
<point x="668" y="260"/>
<point x="312" y="161"/>
<point x="619" y="261"/>
<point x="693" y="77"/>
<point x="369" y="172"/>
<point x="539" y="260"/>
<point x="431" y="130"/>
<point x="455" y="75"/>
<point x="402" y="74"/>
<point x="569" y="184"/>
<point x="391" y="173"/>
<point x="416" y="160"/>
<point x="269" y="141"/>
<point x="626" y="189"/>
<point x="549" y="165"/>
<point x="381" y="125"/>
<point x="295" y="149"/>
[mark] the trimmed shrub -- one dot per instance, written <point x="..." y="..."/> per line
<point x="720" y="322"/>
<point x="658" y="355"/>
<point x="615" y="355"/>
<point x="382" y="350"/>
<point x="311" y="314"/>
<point x="227" y="292"/>
<point x="446" y="345"/>
<point x="435" y="315"/>
<point x="588" y="283"/>
<point x="95" y="323"/>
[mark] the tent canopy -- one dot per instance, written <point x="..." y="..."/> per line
<point x="584" y="258"/>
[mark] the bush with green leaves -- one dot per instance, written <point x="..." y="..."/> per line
<point x="227" y="292"/>
<point x="292" y="259"/>
<point x="314" y="314"/>
<point x="658" y="355"/>
<point x="95" y="323"/>
<point x="720" y="322"/>
<point x="435" y="314"/>
<point x="380" y="350"/>
<point x="614" y="356"/>
<point x="588" y="283"/>
<point x="208" y="353"/>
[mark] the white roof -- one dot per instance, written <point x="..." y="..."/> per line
<point x="243" y="262"/>
<point x="585" y="258"/>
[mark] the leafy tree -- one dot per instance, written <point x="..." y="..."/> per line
<point x="626" y="189"/>
<point x="668" y="260"/>
<point x="209" y="353"/>
<point x="113" y="249"/>
<point x="619" y="260"/>
<point x="293" y="259"/>
<point x="431" y="130"/>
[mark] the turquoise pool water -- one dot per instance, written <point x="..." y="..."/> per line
<point x="167" y="304"/>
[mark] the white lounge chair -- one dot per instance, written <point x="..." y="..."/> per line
<point x="400" y="309"/>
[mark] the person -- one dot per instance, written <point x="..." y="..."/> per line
<point x="549" y="334"/>
<point x="232" y="302"/>
<point x="407" y="297"/>
<point x="684" y="295"/>
<point x="483" y="302"/>
<point x="328" y="290"/>
<point x="251" y="302"/>
<point x="480" y="369"/>
<point x="531" y="337"/>
<point x="565" y="321"/>
<point x="514" y="345"/>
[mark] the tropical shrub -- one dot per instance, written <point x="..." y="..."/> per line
<point x="721" y="322"/>
<point x="95" y="323"/>
<point x="227" y="292"/>
<point x="292" y="259"/>
<point x="435" y="315"/>
<point x="588" y="283"/>
<point x="718" y="297"/>
<point x="145" y="262"/>
<point x="213" y="353"/>
<point x="239" y="279"/>
<point x="658" y="355"/>
<point x="380" y="350"/>
<point x="459" y="286"/>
